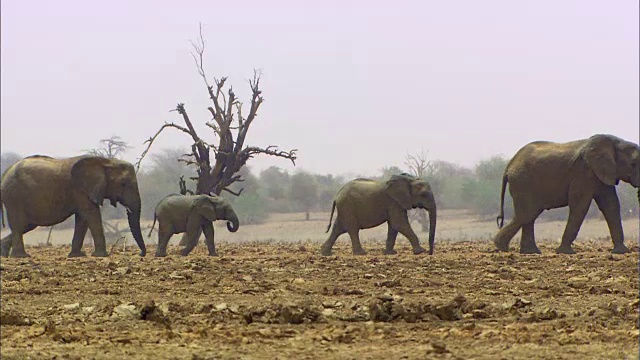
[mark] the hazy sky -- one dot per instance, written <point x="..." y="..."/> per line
<point x="353" y="85"/>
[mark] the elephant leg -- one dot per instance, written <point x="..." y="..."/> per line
<point x="578" y="209"/>
<point x="392" y="234"/>
<point x="80" y="231"/>
<point x="194" y="229"/>
<point x="528" y="240"/>
<point x="356" y="246"/>
<point x="208" y="238"/>
<point x="504" y="235"/>
<point x="5" y="245"/>
<point x="164" y="235"/>
<point x="400" y="222"/>
<point x="94" y="219"/>
<point x="336" y="231"/>
<point x="184" y="241"/>
<point x="17" y="242"/>
<point x="609" y="205"/>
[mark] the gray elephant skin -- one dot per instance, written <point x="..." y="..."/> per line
<point x="192" y="215"/>
<point x="366" y="203"/>
<point x="546" y="175"/>
<point x="44" y="191"/>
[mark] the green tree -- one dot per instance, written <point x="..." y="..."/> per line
<point x="303" y="191"/>
<point x="7" y="159"/>
<point x="251" y="207"/>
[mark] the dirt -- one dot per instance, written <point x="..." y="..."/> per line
<point x="283" y="301"/>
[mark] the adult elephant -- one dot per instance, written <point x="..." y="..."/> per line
<point x="366" y="203"/>
<point x="546" y="175"/>
<point x="191" y="215"/>
<point x="43" y="191"/>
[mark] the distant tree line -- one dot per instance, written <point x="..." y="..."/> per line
<point x="274" y="190"/>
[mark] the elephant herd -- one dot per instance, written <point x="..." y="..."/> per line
<point x="43" y="191"/>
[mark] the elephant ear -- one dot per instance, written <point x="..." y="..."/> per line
<point x="205" y="207"/>
<point x="399" y="188"/>
<point x="600" y="155"/>
<point x="89" y="176"/>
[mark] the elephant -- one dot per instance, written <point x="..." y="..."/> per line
<point x="191" y="214"/>
<point x="365" y="203"/>
<point x="41" y="190"/>
<point x="546" y="175"/>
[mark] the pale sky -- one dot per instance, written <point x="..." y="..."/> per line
<point x="354" y="85"/>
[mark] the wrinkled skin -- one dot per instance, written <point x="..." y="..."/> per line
<point x="546" y="175"/>
<point x="43" y="191"/>
<point x="191" y="215"/>
<point x="365" y="203"/>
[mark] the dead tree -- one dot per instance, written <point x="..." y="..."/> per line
<point x="229" y="125"/>
<point x="419" y="166"/>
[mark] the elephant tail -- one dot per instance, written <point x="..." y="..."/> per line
<point x="500" y="218"/>
<point x="331" y="217"/>
<point x="153" y="225"/>
<point x="2" y="211"/>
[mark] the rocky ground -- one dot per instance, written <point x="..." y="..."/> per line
<point x="283" y="301"/>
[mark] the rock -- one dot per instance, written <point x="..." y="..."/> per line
<point x="88" y="309"/>
<point x="247" y="278"/>
<point x="73" y="306"/>
<point x="221" y="307"/>
<point x="176" y="275"/>
<point x="127" y="310"/>
<point x="328" y="312"/>
<point x="367" y="276"/>
<point x="123" y="270"/>
<point x="298" y="281"/>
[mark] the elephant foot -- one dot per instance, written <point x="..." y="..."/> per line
<point x="100" y="253"/>
<point x="359" y="252"/>
<point x="213" y="254"/>
<point x="184" y="252"/>
<point x="325" y="251"/>
<point x="418" y="250"/>
<point x="19" y="254"/>
<point x="389" y="252"/>
<point x="161" y="254"/>
<point x="501" y="245"/>
<point x="620" y="249"/>
<point x="530" y="250"/>
<point x="565" y="250"/>
<point x="76" y="253"/>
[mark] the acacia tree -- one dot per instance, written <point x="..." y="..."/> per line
<point x="229" y="125"/>
<point x="111" y="148"/>
<point x="419" y="166"/>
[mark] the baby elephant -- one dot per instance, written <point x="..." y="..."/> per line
<point x="192" y="215"/>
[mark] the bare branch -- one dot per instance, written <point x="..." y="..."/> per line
<point x="153" y="138"/>
<point x="233" y="193"/>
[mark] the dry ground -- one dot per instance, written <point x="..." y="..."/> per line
<point x="269" y="295"/>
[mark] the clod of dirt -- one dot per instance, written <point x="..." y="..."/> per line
<point x="450" y="311"/>
<point x="11" y="317"/>
<point x="123" y="270"/>
<point x="437" y="348"/>
<point x="283" y="314"/>
<point x="150" y="312"/>
<point x="520" y="303"/>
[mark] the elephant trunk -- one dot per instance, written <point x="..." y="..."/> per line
<point x="233" y="224"/>
<point x="432" y="229"/>
<point x="133" y="215"/>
